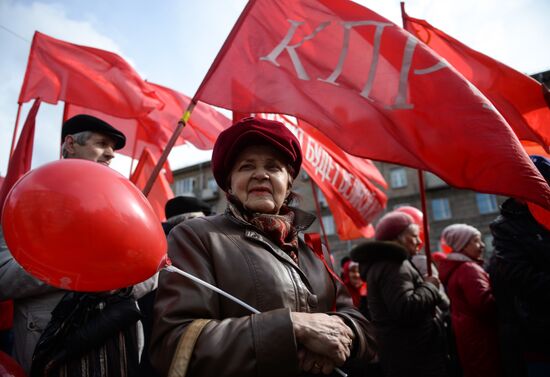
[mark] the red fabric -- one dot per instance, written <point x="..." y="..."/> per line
<point x="85" y="76"/>
<point x="345" y="182"/>
<point x="518" y="97"/>
<point x="20" y="162"/>
<point x="393" y="101"/>
<point x="154" y="129"/>
<point x="6" y="315"/>
<point x="534" y="148"/>
<point x="161" y="191"/>
<point x="473" y="316"/>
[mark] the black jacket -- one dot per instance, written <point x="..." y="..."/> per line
<point x="520" y="272"/>
<point x="404" y="310"/>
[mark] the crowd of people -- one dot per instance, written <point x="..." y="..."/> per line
<point x="383" y="316"/>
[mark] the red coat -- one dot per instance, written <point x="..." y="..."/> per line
<point x="473" y="315"/>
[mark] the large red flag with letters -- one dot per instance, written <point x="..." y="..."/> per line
<point x="161" y="191"/>
<point x="373" y="89"/>
<point x="20" y="162"/>
<point x="518" y="97"/>
<point x="85" y="76"/>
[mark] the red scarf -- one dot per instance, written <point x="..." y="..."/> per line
<point x="278" y="228"/>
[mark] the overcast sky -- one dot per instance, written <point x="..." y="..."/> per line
<point x="172" y="43"/>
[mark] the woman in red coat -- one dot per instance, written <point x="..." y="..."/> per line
<point x="473" y="310"/>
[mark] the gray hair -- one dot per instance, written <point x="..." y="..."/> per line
<point x="80" y="138"/>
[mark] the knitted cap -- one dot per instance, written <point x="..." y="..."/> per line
<point x="457" y="236"/>
<point x="391" y="225"/>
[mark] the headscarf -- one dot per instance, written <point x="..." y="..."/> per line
<point x="457" y="236"/>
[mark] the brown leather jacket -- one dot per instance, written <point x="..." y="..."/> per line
<point x="235" y="257"/>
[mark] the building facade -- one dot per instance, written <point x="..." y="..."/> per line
<point x="445" y="205"/>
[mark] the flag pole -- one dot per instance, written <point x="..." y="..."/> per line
<point x="194" y="101"/>
<point x="15" y="130"/>
<point x="318" y="209"/>
<point x="427" y="250"/>
<point x="422" y="189"/>
<point x="160" y="163"/>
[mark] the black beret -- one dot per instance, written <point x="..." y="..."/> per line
<point x="84" y="122"/>
<point x="185" y="204"/>
<point x="246" y="132"/>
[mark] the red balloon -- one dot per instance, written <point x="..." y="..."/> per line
<point x="540" y="214"/>
<point x="417" y="216"/>
<point x="79" y="225"/>
<point x="9" y="367"/>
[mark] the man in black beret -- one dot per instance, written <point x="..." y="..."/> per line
<point x="183" y="208"/>
<point x="90" y="138"/>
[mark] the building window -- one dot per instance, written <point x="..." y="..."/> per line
<point x="486" y="203"/>
<point x="398" y="178"/>
<point x="185" y="186"/>
<point x="328" y="224"/>
<point x="211" y="184"/>
<point x="322" y="200"/>
<point x="441" y="209"/>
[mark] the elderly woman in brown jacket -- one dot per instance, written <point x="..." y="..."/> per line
<point x="307" y="322"/>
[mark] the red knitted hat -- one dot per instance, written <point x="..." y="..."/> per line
<point x="391" y="225"/>
<point x="253" y="131"/>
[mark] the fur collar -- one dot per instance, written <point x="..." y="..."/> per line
<point x="374" y="251"/>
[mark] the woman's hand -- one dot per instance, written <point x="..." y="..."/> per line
<point x="433" y="280"/>
<point x="313" y="363"/>
<point x="326" y="336"/>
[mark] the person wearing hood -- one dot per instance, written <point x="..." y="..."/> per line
<point x="403" y="304"/>
<point x="520" y="275"/>
<point x="351" y="277"/>
<point x="473" y="308"/>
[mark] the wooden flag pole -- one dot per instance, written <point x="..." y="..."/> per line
<point x="15" y="130"/>
<point x="427" y="250"/>
<point x="160" y="163"/>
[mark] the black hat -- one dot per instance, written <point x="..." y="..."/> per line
<point x="543" y="165"/>
<point x="185" y="204"/>
<point x="83" y="122"/>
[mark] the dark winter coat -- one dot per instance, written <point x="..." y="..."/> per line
<point x="404" y="310"/>
<point x="473" y="315"/>
<point x="520" y="276"/>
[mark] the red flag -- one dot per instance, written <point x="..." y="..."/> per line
<point x="354" y="201"/>
<point x="373" y="89"/>
<point x="85" y="76"/>
<point x="154" y="129"/>
<point x="518" y="97"/>
<point x="161" y="191"/>
<point x="20" y="161"/>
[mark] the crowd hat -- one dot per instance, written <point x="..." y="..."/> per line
<point x="84" y="122"/>
<point x="253" y="131"/>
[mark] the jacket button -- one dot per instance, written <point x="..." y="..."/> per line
<point x="312" y="300"/>
<point x="32" y="326"/>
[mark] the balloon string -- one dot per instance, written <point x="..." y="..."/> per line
<point x="171" y="268"/>
<point x="212" y="287"/>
